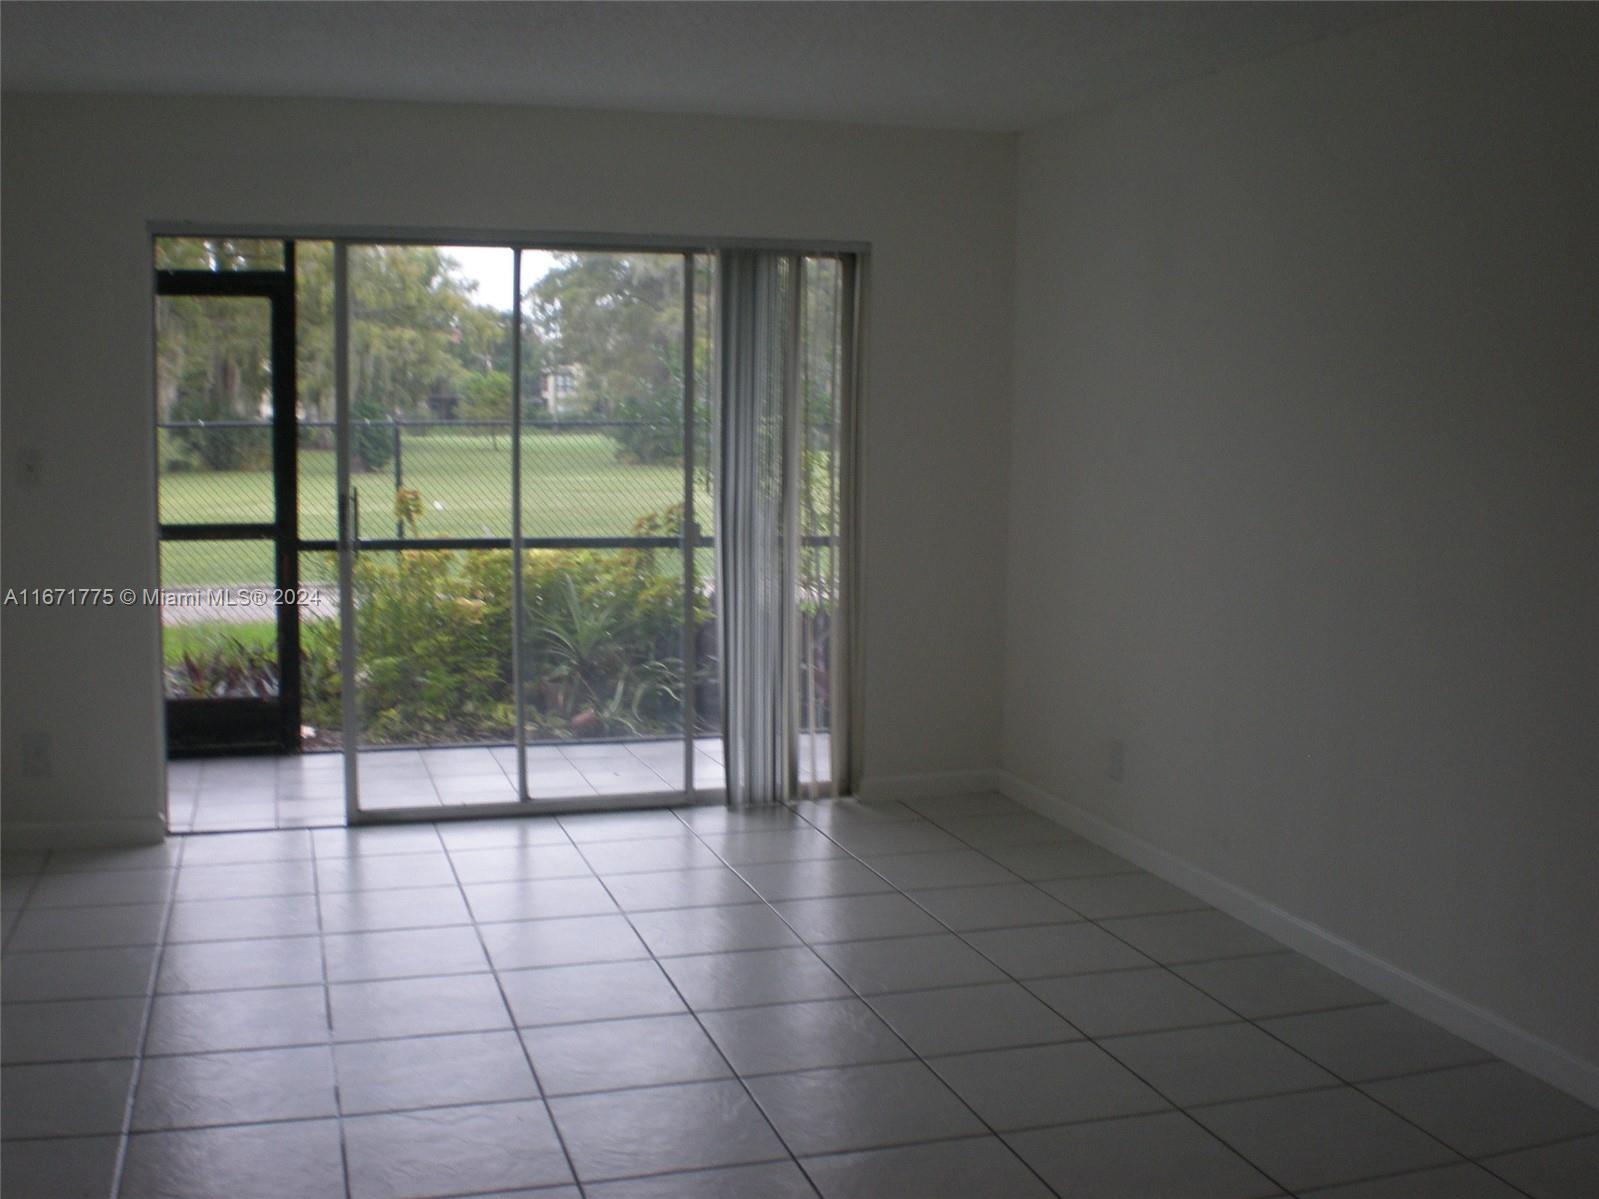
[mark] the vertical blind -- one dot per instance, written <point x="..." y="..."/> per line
<point x="780" y="457"/>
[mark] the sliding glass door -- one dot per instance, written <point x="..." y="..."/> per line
<point x="611" y="659"/>
<point x="425" y="458"/>
<point x="571" y="522"/>
<point x="525" y="612"/>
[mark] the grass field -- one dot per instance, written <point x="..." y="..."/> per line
<point x="572" y="486"/>
<point x="203" y="639"/>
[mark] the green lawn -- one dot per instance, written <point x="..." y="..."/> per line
<point x="572" y="486"/>
<point x="205" y="639"/>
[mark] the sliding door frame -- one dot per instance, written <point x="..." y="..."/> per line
<point x="849" y="650"/>
<point x="854" y="258"/>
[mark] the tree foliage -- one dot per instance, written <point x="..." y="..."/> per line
<point x="212" y="359"/>
<point x="618" y="319"/>
<point x="487" y="396"/>
<point x="419" y="334"/>
<point x="213" y="366"/>
<point x="416" y="331"/>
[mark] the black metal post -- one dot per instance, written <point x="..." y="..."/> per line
<point x="399" y="479"/>
<point x="286" y="502"/>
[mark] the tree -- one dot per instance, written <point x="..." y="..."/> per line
<point x="620" y="317"/>
<point x="212" y="360"/>
<point x="416" y="331"/>
<point x="487" y="397"/>
<point x="313" y="310"/>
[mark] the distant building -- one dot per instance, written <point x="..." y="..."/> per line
<point x="558" y="388"/>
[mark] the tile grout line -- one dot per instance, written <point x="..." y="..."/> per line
<point x="1167" y="967"/>
<point x="942" y="988"/>
<point x="1342" y="1082"/>
<point x="858" y="997"/>
<point x="1399" y="1175"/>
<point x="164" y="940"/>
<point x="1091" y="1040"/>
<point x="510" y="1015"/>
<point x="27" y="898"/>
<point x="125" y="1139"/>
<point x="733" y="1074"/>
<point x="196" y="823"/>
<point x="327" y="1014"/>
<point x="1482" y="1162"/>
<point x="658" y="1086"/>
<point x="742" y="1007"/>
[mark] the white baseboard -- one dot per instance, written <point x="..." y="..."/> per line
<point x="926" y="786"/>
<point x="1556" y="1066"/>
<point x="82" y="834"/>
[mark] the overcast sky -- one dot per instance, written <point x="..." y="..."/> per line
<point x="491" y="267"/>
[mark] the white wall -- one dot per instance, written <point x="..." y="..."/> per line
<point x="83" y="175"/>
<point x="1305" y="496"/>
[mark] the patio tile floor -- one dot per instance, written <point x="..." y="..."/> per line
<point x="236" y="794"/>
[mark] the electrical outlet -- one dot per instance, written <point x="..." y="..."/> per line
<point x="36" y="755"/>
<point x="1115" y="758"/>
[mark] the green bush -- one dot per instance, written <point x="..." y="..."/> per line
<point x="222" y="667"/>
<point x="653" y="432"/>
<point x="371" y="436"/>
<point x="214" y="448"/>
<point x="603" y="657"/>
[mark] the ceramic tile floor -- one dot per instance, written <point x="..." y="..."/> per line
<point x="206" y="795"/>
<point x="948" y="998"/>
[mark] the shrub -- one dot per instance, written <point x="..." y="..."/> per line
<point x="371" y="435"/>
<point x="211" y="447"/>
<point x="223" y="668"/>
<point x="602" y="657"/>
<point x="651" y="432"/>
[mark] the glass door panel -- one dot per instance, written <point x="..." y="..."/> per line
<point x="819" y="495"/>
<point x="314" y="426"/>
<point x="603" y="645"/>
<point x="709" y="775"/>
<point x="315" y="787"/>
<point x="427" y="447"/>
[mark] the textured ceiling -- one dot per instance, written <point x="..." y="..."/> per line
<point x="953" y="65"/>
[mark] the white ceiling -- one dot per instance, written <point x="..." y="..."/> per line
<point x="954" y="65"/>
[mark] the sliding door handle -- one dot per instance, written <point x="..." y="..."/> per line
<point x="350" y="520"/>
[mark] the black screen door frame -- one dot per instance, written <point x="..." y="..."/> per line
<point x="213" y="726"/>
